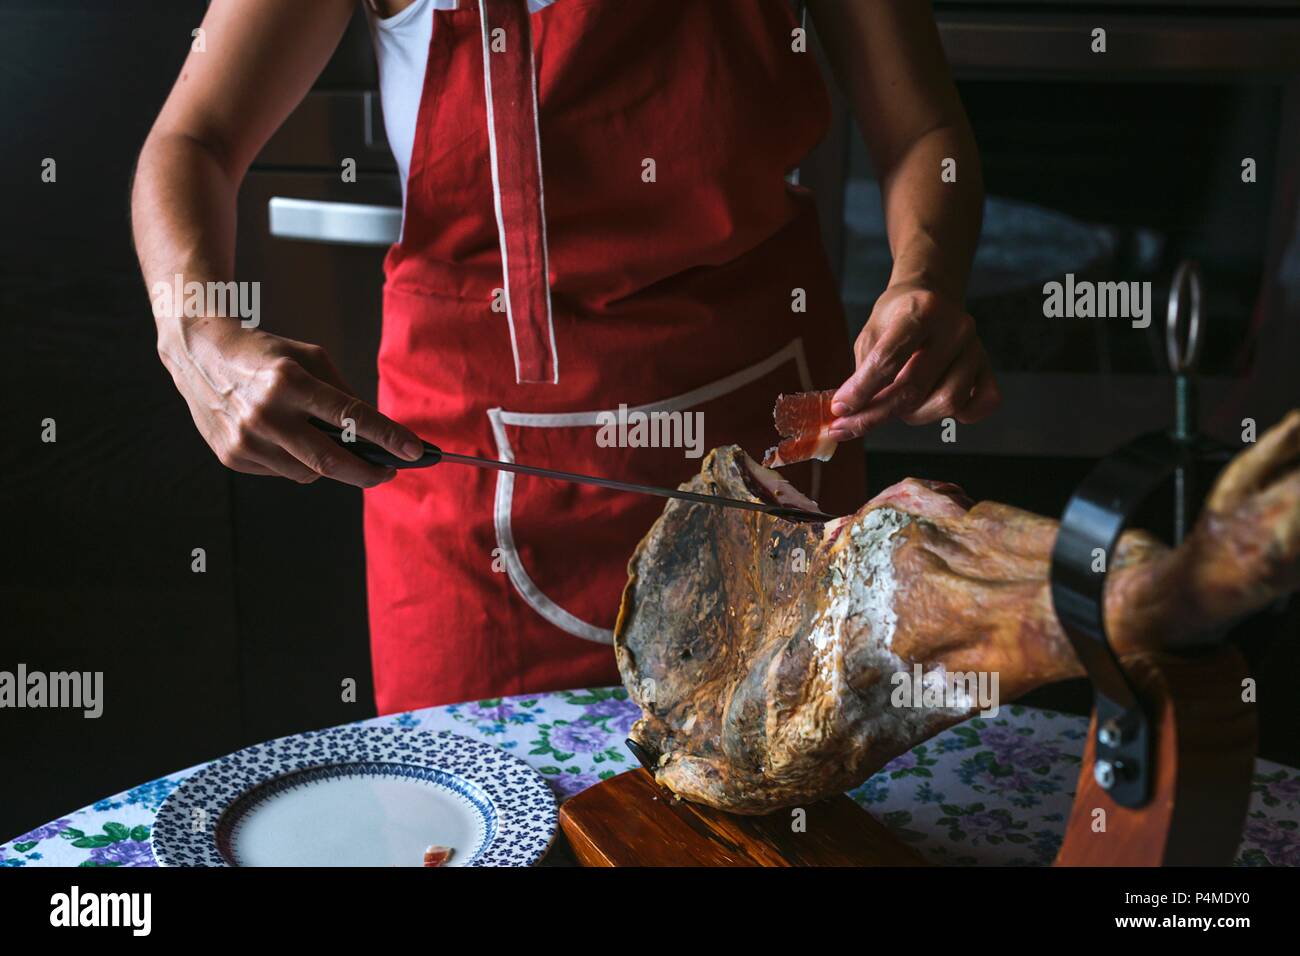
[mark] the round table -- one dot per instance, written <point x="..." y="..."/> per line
<point x="993" y="790"/>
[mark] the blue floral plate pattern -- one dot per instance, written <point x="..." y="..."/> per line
<point x="512" y="810"/>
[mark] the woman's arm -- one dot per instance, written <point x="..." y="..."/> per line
<point x="250" y="392"/>
<point x="919" y="356"/>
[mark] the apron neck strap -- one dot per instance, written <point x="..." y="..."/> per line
<point x="510" y="93"/>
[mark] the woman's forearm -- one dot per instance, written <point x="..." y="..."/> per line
<point x="250" y="393"/>
<point x="888" y="60"/>
<point x="183" y="218"/>
<point x="257" y="62"/>
<point x="933" y="199"/>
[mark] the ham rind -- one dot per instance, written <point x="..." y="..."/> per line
<point x="803" y="421"/>
<point x="919" y="496"/>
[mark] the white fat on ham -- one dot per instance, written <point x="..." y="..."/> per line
<point x="777" y="489"/>
<point x="821" y="450"/>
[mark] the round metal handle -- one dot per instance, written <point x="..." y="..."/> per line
<point x="1183" y="358"/>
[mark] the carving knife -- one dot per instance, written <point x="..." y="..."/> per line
<point x="377" y="455"/>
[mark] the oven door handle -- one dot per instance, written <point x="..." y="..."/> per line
<point x="339" y="223"/>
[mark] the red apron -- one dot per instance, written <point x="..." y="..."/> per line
<point x="674" y="250"/>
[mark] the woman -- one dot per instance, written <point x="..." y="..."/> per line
<point x="596" y="220"/>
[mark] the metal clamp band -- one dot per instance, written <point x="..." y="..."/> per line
<point x="1090" y="529"/>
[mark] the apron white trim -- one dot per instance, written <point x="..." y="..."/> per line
<point x="505" y="490"/>
<point x="541" y="211"/>
<point x="792" y="352"/>
<point x="486" y="31"/>
<point x="528" y="590"/>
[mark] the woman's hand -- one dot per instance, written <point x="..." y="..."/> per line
<point x="251" y="395"/>
<point x="918" y="359"/>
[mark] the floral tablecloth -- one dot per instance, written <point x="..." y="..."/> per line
<point x="988" y="791"/>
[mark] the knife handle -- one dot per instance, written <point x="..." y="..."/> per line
<point x="377" y="454"/>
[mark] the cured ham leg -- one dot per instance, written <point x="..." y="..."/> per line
<point x="763" y="652"/>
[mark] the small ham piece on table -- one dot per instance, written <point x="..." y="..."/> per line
<point x="802" y="420"/>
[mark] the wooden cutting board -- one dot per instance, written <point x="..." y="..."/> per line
<point x="630" y="821"/>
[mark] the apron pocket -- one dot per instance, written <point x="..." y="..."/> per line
<point x="565" y="547"/>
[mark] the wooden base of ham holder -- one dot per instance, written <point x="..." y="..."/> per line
<point x="629" y="820"/>
<point x="1203" y="757"/>
<point x="1203" y="751"/>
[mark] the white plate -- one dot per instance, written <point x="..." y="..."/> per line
<point x="358" y="796"/>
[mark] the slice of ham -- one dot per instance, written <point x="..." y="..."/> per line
<point x="802" y="421"/>
<point x="437" y="855"/>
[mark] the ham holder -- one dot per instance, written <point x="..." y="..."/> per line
<point x="764" y="685"/>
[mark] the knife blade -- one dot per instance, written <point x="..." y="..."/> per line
<point x="433" y="455"/>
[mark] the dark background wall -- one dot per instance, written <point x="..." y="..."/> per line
<point x="99" y="527"/>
